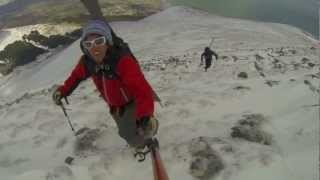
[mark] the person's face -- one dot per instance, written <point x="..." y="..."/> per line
<point x="97" y="47"/>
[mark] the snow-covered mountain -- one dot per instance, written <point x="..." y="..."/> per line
<point x="276" y="105"/>
<point x="10" y="35"/>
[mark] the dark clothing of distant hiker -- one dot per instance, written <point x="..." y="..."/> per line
<point x="207" y="55"/>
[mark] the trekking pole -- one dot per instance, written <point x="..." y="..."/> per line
<point x="93" y="8"/>
<point x="212" y="39"/>
<point x="66" y="115"/>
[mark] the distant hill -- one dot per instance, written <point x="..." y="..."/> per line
<point x="27" y="12"/>
<point x="4" y="2"/>
<point x="12" y="6"/>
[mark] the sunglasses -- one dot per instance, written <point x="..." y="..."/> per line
<point x="97" y="42"/>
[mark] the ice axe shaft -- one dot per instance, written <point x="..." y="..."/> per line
<point x="66" y="115"/>
<point x="95" y="12"/>
<point x="94" y="9"/>
<point x="211" y="42"/>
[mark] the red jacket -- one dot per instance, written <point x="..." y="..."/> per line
<point x="130" y="85"/>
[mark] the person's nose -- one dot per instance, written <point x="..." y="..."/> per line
<point x="94" y="47"/>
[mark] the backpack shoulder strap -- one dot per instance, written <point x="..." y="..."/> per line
<point x="89" y="64"/>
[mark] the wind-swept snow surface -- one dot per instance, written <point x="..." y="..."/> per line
<point x="275" y="108"/>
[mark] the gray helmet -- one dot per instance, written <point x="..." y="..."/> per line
<point x="97" y="27"/>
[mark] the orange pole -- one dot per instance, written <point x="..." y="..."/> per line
<point x="159" y="171"/>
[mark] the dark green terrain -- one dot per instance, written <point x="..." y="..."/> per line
<point x="19" y="13"/>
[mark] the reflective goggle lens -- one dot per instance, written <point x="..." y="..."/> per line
<point x="97" y="42"/>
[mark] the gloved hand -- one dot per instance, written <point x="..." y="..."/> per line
<point x="147" y="126"/>
<point x="56" y="97"/>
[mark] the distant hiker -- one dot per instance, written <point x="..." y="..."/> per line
<point x="207" y="55"/>
<point x="120" y="81"/>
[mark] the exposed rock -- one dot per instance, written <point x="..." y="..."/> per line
<point x="252" y="120"/>
<point x="82" y="130"/>
<point x="227" y="148"/>
<point x="60" y="173"/>
<point x="258" y="57"/>
<point x="243" y="75"/>
<point x="235" y="58"/>
<point x="249" y="129"/>
<point x="258" y="68"/>
<point x="173" y="60"/>
<point x="296" y="66"/>
<point x="272" y="83"/>
<point x="306" y="82"/>
<point x="241" y="88"/>
<point x="293" y="51"/>
<point x="206" y="162"/>
<point x="86" y="140"/>
<point x="311" y="64"/>
<point x="5" y="69"/>
<point x="224" y="57"/>
<point x="280" y="52"/>
<point x="305" y="60"/>
<point x="276" y="61"/>
<point x="313" y="76"/>
<point x="262" y="74"/>
<point x="69" y="160"/>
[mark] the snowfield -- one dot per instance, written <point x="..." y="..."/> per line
<point x="265" y="126"/>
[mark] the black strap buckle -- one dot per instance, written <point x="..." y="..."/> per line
<point x="151" y="144"/>
<point x="141" y="155"/>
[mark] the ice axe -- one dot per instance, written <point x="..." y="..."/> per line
<point x="211" y="42"/>
<point x="66" y="115"/>
<point x="95" y="12"/>
<point x="64" y="110"/>
<point x="94" y="9"/>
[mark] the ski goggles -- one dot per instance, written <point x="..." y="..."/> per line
<point x="99" y="41"/>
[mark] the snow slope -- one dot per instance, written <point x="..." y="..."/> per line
<point x="35" y="138"/>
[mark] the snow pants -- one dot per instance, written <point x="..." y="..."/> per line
<point x="208" y="64"/>
<point x="126" y="123"/>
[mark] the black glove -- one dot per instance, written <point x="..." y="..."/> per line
<point x="143" y="123"/>
<point x="56" y="97"/>
<point x="147" y="126"/>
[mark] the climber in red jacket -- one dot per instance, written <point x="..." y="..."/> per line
<point x="120" y="81"/>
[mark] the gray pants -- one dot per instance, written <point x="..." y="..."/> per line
<point x="126" y="123"/>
